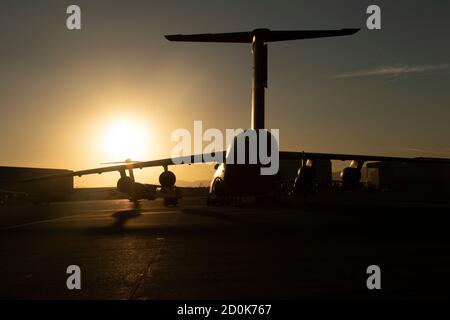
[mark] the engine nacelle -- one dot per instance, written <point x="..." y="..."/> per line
<point x="305" y="180"/>
<point x="125" y="185"/>
<point x="167" y="179"/>
<point x="350" y="177"/>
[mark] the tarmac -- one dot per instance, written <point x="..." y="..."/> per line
<point x="297" y="251"/>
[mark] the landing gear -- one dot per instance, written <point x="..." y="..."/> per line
<point x="170" y="192"/>
<point x="171" y="196"/>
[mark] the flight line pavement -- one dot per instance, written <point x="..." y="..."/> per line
<point x="301" y="251"/>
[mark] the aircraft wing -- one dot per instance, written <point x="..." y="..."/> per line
<point x="192" y="159"/>
<point x="200" y="158"/>
<point x="203" y="158"/>
<point x="292" y="155"/>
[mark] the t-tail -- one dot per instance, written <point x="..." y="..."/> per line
<point x="258" y="38"/>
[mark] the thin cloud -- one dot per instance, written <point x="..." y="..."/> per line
<point x="395" y="70"/>
<point x="440" y="151"/>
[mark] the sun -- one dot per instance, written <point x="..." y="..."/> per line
<point x="125" y="139"/>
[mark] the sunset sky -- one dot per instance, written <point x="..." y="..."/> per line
<point x="65" y="94"/>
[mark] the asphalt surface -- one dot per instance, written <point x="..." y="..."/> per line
<point x="302" y="251"/>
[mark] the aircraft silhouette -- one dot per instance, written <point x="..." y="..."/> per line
<point x="232" y="180"/>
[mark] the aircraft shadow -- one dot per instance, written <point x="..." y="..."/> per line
<point x="123" y="216"/>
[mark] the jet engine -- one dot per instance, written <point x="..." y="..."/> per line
<point x="171" y="193"/>
<point x="167" y="179"/>
<point x="125" y="185"/>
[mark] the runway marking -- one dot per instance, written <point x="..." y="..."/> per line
<point x="40" y="222"/>
<point x="158" y="212"/>
<point x="75" y="216"/>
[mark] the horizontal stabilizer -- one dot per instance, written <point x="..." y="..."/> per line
<point x="234" y="37"/>
<point x="264" y="35"/>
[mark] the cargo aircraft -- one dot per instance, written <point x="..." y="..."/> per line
<point x="233" y="180"/>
